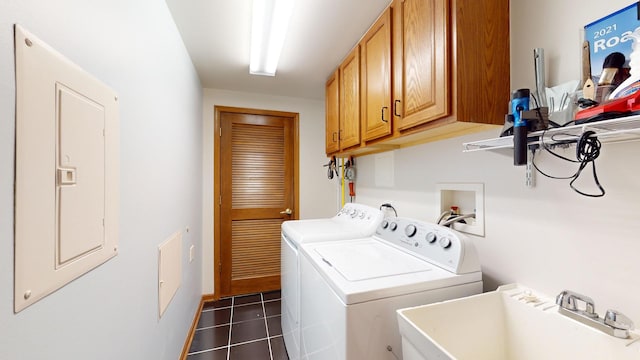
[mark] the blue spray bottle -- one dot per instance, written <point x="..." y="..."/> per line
<point x="519" y="103"/>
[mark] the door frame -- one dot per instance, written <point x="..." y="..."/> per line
<point x="217" y="264"/>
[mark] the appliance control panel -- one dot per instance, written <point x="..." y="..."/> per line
<point x="436" y="244"/>
<point x="353" y="213"/>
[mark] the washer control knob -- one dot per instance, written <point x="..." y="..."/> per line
<point x="353" y="213"/>
<point x="410" y="230"/>
<point x="431" y="237"/>
<point x="384" y="224"/>
<point x="393" y="226"/>
<point x="362" y="215"/>
<point x="445" y="243"/>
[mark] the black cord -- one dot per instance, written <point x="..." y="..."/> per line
<point x="535" y="100"/>
<point x="387" y="205"/>
<point x="587" y="151"/>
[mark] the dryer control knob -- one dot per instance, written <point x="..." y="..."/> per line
<point x="410" y="230"/>
<point x="384" y="224"/>
<point x="393" y="226"/>
<point x="354" y="213"/>
<point x="362" y="215"/>
<point x="445" y="243"/>
<point x="431" y="237"/>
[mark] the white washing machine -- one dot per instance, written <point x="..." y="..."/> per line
<point x="352" y="289"/>
<point x="353" y="221"/>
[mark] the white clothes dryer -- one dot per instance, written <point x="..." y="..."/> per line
<point x="350" y="290"/>
<point x="353" y="221"/>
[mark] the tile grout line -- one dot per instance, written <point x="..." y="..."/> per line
<point x="207" y="328"/>
<point x="228" y="346"/>
<point x="212" y="327"/>
<point x="236" y="344"/>
<point x="214" y="309"/>
<point x="233" y="301"/>
<point x="266" y="325"/>
<point x="206" y="350"/>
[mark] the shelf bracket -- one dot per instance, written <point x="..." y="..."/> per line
<point x="530" y="174"/>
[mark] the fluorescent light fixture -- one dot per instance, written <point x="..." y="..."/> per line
<point x="270" y="20"/>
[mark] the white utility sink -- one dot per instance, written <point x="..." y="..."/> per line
<point x="512" y="323"/>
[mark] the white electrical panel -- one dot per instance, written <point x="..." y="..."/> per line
<point x="80" y="175"/>
<point x="169" y="270"/>
<point x="67" y="171"/>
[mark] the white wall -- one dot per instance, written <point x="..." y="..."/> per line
<point x="547" y="237"/>
<point x="318" y="195"/>
<point x="112" y="312"/>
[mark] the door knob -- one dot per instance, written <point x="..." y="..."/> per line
<point x="287" y="211"/>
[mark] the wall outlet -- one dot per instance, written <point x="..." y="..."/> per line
<point x="192" y="251"/>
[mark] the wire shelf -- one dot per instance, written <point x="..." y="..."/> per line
<point x="614" y="130"/>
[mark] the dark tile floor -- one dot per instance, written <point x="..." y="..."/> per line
<point x="240" y="328"/>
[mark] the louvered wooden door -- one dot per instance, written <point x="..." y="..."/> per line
<point x="256" y="188"/>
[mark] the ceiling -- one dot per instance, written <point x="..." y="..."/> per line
<point x="216" y="34"/>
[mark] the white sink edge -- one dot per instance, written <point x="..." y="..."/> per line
<point x="423" y="342"/>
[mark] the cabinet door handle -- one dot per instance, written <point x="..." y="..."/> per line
<point x="339" y="134"/>
<point x="395" y="107"/>
<point x="335" y="134"/>
<point x="382" y="116"/>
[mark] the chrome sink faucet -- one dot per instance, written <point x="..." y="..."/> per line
<point x="614" y="322"/>
<point x="567" y="300"/>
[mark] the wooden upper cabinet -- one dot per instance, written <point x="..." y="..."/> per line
<point x="375" y="61"/>
<point x="332" y="113"/>
<point x="349" y="80"/>
<point x="422" y="61"/>
<point x="451" y="65"/>
<point x="425" y="71"/>
<point x="481" y="59"/>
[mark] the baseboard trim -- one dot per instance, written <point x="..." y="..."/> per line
<point x="192" y="330"/>
<point x="196" y="318"/>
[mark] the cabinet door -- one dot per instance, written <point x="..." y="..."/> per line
<point x="422" y="61"/>
<point x="375" y="51"/>
<point x="350" y="100"/>
<point x="332" y="113"/>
